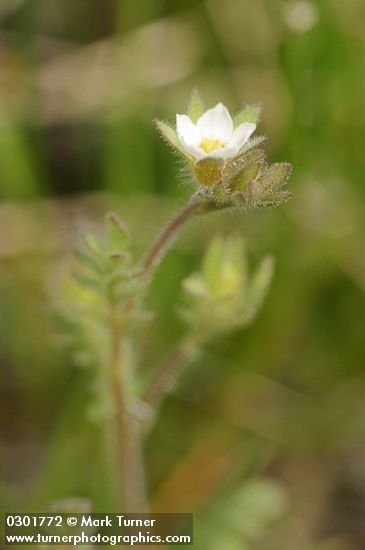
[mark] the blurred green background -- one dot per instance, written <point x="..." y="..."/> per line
<point x="264" y="439"/>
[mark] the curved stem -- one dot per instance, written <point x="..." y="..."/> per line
<point x="167" y="237"/>
<point x="127" y="426"/>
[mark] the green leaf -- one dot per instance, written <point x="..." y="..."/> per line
<point x="212" y="264"/>
<point x="93" y="245"/>
<point x="224" y="267"/>
<point x="257" y="288"/>
<point x="195" y="105"/>
<point x="118" y="237"/>
<point x="195" y="286"/>
<point x="85" y="281"/>
<point x="89" y="261"/>
<point x="233" y="252"/>
<point x="250" y="113"/>
<point x="276" y="176"/>
<point x="169" y="135"/>
<point x="129" y="287"/>
<point x="233" y="270"/>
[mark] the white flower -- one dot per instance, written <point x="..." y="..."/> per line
<point x="213" y="134"/>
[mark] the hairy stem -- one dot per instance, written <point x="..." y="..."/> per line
<point x="167" y="237"/>
<point x="128" y="442"/>
<point x="167" y="377"/>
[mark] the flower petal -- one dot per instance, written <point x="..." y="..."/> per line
<point x="220" y="153"/>
<point x="189" y="135"/>
<point x="216" y="123"/>
<point x="194" y="150"/>
<point x="241" y="135"/>
<point x="187" y="130"/>
<point x="224" y="152"/>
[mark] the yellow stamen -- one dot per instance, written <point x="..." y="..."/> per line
<point x="209" y="145"/>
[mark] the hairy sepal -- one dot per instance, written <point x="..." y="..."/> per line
<point x="169" y="135"/>
<point x="250" y="113"/>
<point x="195" y="105"/>
<point x="276" y="176"/>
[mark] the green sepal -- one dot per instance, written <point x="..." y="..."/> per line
<point x="195" y="105"/>
<point x="276" y="176"/>
<point x="237" y="163"/>
<point x="169" y="135"/>
<point x="210" y="205"/>
<point x="242" y="180"/>
<point x="251" y="144"/>
<point x="221" y="197"/>
<point x="274" y="199"/>
<point x="250" y="113"/>
<point x="239" y="200"/>
<point x="255" y="191"/>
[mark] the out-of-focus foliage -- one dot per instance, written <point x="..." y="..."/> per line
<point x="80" y="84"/>
<point x="246" y="517"/>
<point x="221" y="296"/>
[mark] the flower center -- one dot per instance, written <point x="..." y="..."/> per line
<point x="209" y="145"/>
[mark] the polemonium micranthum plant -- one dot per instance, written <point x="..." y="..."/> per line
<point x="103" y="299"/>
